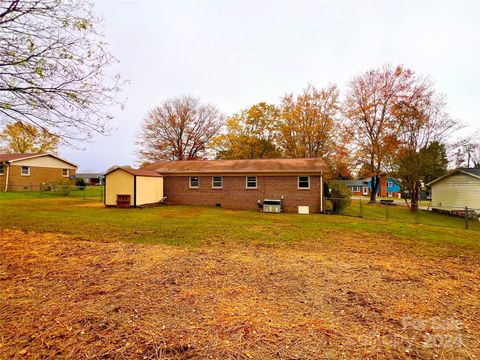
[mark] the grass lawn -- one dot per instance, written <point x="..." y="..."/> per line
<point x="196" y="282"/>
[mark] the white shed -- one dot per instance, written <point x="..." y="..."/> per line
<point x="456" y="190"/>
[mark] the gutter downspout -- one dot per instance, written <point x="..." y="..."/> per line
<point x="7" y="177"/>
<point x="321" y="192"/>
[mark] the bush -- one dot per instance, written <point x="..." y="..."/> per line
<point x="80" y="183"/>
<point x="340" y="196"/>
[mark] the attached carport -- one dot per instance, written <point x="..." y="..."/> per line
<point x="130" y="187"/>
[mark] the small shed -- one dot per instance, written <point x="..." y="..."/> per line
<point x="456" y="190"/>
<point x="130" y="187"/>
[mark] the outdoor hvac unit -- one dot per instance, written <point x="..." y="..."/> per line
<point x="272" y="206"/>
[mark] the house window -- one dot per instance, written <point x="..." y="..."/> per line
<point x="217" y="182"/>
<point x="194" y="182"/>
<point x="355" y="188"/>
<point x="365" y="190"/>
<point x="2" y="169"/>
<point x="251" y="182"/>
<point x="389" y="194"/>
<point x="304" y="182"/>
<point x="390" y="184"/>
<point x="25" y="170"/>
<point x="65" y="172"/>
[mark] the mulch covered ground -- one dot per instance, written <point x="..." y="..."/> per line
<point x="348" y="297"/>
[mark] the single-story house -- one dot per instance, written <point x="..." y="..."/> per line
<point x="31" y="172"/>
<point x="357" y="187"/>
<point x="91" y="178"/>
<point x="288" y="184"/>
<point x="456" y="190"/>
<point x="389" y="187"/>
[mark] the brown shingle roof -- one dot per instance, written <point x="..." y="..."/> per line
<point x="10" y="157"/>
<point x="256" y="166"/>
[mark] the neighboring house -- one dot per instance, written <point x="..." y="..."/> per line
<point x="456" y="190"/>
<point x="91" y="178"/>
<point x="30" y="172"/>
<point x="237" y="184"/>
<point x="357" y="187"/>
<point x="388" y="187"/>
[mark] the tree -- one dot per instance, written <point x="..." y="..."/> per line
<point x="424" y="126"/>
<point x="179" y="129"/>
<point x="309" y="123"/>
<point x="434" y="161"/>
<point x="369" y="110"/>
<point x="19" y="138"/>
<point x="52" y="68"/>
<point x="250" y="134"/>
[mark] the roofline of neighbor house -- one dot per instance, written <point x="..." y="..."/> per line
<point x="455" y="171"/>
<point x="40" y="155"/>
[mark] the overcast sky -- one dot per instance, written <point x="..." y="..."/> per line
<point x="235" y="54"/>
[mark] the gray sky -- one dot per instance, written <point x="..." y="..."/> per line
<point x="235" y="54"/>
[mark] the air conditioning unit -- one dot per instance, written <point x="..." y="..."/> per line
<point x="272" y="206"/>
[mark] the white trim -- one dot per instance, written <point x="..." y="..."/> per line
<point x="321" y="194"/>
<point x="190" y="182"/>
<point x="298" y="183"/>
<point x="221" y="182"/>
<point x="21" y="170"/>
<point x="365" y="190"/>
<point x="68" y="173"/>
<point x="251" y="187"/>
<point x="390" y="184"/>
<point x="2" y="172"/>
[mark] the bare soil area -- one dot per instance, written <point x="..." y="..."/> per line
<point x="350" y="296"/>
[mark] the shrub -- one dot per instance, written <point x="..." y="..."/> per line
<point x="80" y="183"/>
<point x="340" y="196"/>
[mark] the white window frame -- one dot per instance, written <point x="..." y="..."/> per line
<point x="298" y="183"/>
<point x="68" y="172"/>
<point x="390" y="184"/>
<point x="246" y="182"/>
<point x="2" y="169"/>
<point x="221" y="182"/>
<point x="356" y="188"/>
<point x="28" y="172"/>
<point x="190" y="182"/>
<point x="365" y="190"/>
<point x="390" y="194"/>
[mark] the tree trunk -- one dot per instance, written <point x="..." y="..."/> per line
<point x="414" y="198"/>
<point x="373" y="193"/>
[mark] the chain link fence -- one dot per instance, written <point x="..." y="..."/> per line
<point x="55" y="190"/>
<point x="448" y="216"/>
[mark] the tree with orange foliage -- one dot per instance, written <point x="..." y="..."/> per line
<point x="179" y="129"/>
<point x="369" y="110"/>
<point x="309" y="122"/>
<point x="250" y="134"/>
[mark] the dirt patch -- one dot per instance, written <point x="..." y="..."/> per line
<point x="358" y="297"/>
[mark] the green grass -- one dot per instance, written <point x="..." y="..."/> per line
<point x="191" y="226"/>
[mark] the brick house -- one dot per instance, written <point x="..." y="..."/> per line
<point x="243" y="184"/>
<point x="29" y="172"/>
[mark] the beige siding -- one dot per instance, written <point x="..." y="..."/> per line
<point x="118" y="182"/>
<point x="149" y="190"/>
<point x="44" y="161"/>
<point x="458" y="190"/>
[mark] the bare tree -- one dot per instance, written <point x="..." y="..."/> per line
<point x="52" y="68"/>
<point x="179" y="129"/>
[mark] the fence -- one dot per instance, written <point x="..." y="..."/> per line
<point x="55" y="190"/>
<point x="456" y="217"/>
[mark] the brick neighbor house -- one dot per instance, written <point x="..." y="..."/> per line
<point x="239" y="184"/>
<point x="30" y="172"/>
